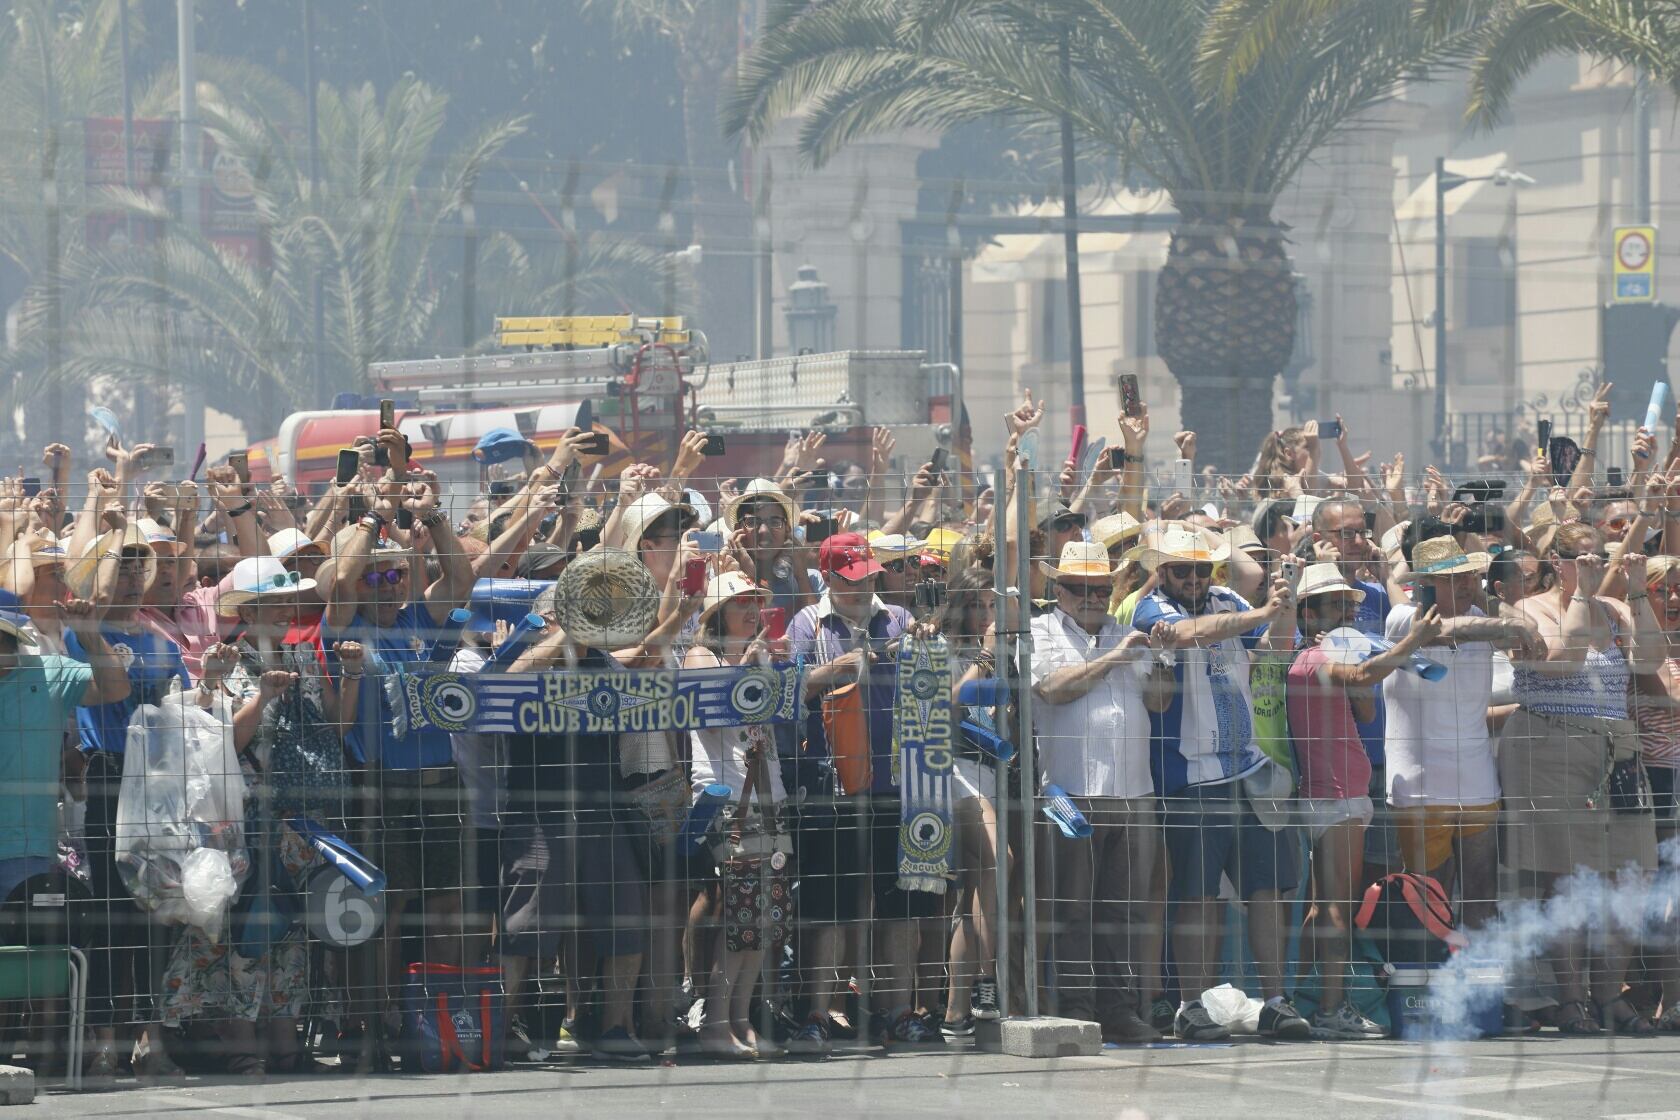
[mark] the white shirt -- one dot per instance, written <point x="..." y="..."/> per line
<point x="1438" y="748"/>
<point x="648" y="752"/>
<point x="1097" y="745"/>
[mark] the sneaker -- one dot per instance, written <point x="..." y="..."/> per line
<point x="811" y="1039"/>
<point x="618" y="1045"/>
<point x="913" y="1030"/>
<point x="1281" y="1021"/>
<point x="1194" y="1024"/>
<point x="1162" y="1013"/>
<point x="566" y="1043"/>
<point x="962" y="1028"/>
<point x="1126" y="1026"/>
<point x="519" y="1041"/>
<point x="984" y="1001"/>
<point x="1343" y="1025"/>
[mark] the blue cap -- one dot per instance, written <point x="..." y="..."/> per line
<point x="501" y="445"/>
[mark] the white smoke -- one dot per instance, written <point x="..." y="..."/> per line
<point x="1634" y="905"/>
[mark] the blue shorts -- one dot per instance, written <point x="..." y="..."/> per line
<point x="1662" y="793"/>
<point x="1212" y="831"/>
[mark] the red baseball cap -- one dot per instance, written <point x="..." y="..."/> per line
<point x="848" y="556"/>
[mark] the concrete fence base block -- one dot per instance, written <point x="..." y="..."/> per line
<point x="17" y="1085"/>
<point x="1047" y="1037"/>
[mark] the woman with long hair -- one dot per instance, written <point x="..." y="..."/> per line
<point x="1569" y="745"/>
<point x="730" y="634"/>
<point x="966" y="623"/>
<point x="1656" y="703"/>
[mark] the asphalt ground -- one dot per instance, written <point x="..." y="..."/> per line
<point x="1537" y="1076"/>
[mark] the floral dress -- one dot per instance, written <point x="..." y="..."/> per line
<point x="208" y="979"/>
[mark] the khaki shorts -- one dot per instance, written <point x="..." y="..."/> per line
<point x="1428" y="832"/>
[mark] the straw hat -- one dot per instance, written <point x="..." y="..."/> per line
<point x="606" y="599"/>
<point x="1115" y="529"/>
<point x="726" y="586"/>
<point x="1244" y="538"/>
<point x="1326" y="579"/>
<point x="13" y="621"/>
<point x="160" y="537"/>
<point x="28" y="552"/>
<point x="1080" y="560"/>
<point x="79" y="573"/>
<point x="1181" y="543"/>
<point x="385" y="551"/>
<point x="893" y="546"/>
<point x="1444" y="556"/>
<point x="757" y="490"/>
<point x="643" y="512"/>
<point x="259" y="577"/>
<point x="293" y="542"/>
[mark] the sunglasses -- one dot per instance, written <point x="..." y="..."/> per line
<point x="1185" y="571"/>
<point x="1086" y="590"/>
<point x="390" y="577"/>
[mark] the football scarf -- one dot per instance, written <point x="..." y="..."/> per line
<point x="922" y="764"/>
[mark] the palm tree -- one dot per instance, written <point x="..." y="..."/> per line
<point x="383" y="233"/>
<point x="1640" y="34"/>
<point x="1218" y="102"/>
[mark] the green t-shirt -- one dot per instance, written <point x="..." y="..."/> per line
<point x="38" y="701"/>
<point x="1123" y="613"/>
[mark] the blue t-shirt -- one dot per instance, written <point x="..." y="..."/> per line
<point x="1370" y="618"/>
<point x="153" y="663"/>
<point x="38" y="701"/>
<point x="380" y="702"/>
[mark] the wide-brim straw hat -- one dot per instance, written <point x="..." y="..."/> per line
<point x="1184" y="544"/>
<point x="79" y="573"/>
<point x="644" y="511"/>
<point x="606" y="599"/>
<point x="725" y="586"/>
<point x="1444" y="556"/>
<point x="1326" y="579"/>
<point x="1080" y="560"/>
<point x="1116" y="528"/>
<point x="28" y="552"/>
<point x="759" y="489"/>
<point x="260" y="578"/>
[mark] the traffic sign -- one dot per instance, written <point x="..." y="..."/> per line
<point x="1633" y="264"/>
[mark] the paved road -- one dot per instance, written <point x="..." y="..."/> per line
<point x="1582" y="1079"/>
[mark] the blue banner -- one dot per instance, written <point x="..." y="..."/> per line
<point x="604" y="701"/>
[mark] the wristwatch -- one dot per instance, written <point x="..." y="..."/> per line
<point x="433" y="519"/>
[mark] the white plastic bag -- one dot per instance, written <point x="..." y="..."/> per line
<point x="1233" y="1009"/>
<point x="183" y="794"/>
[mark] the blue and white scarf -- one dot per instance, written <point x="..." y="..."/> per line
<point x="922" y="764"/>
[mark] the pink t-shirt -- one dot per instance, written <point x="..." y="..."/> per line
<point x="1328" y="749"/>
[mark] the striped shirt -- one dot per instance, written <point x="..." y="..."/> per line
<point x="1659" y="721"/>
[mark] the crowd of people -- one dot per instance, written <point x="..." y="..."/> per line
<point x="1255" y="698"/>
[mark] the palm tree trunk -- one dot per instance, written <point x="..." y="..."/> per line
<point x="1225" y="311"/>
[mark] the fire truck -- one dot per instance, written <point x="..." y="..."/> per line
<point x="648" y="380"/>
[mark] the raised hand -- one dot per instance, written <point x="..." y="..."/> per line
<point x="1026" y="416"/>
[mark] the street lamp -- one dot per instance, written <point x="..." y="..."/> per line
<point x="1446" y="181"/>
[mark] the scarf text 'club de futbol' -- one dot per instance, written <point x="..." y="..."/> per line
<point x="922" y="764"/>
<point x="604" y="701"/>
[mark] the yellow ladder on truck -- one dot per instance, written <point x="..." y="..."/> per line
<point x="579" y="332"/>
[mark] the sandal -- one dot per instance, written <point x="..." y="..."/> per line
<point x="1577" y="1017"/>
<point x="1632" y="1023"/>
